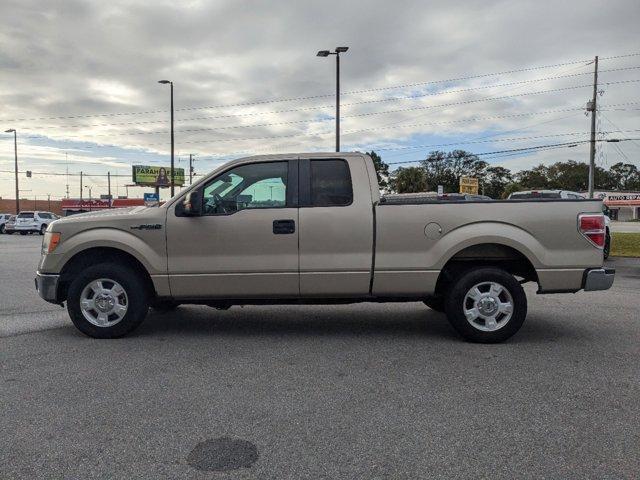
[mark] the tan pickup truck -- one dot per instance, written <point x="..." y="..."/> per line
<point x="313" y="228"/>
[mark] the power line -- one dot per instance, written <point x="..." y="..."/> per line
<point x="348" y="132"/>
<point x="309" y="97"/>
<point x="413" y="147"/>
<point x="56" y="174"/>
<point x="424" y="107"/>
<point x="365" y="102"/>
<point x="474" y="119"/>
<point x="518" y="150"/>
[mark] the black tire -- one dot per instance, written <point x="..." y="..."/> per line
<point x="607" y="245"/>
<point x="137" y="295"/>
<point x="43" y="228"/>
<point x="164" y="306"/>
<point x="23" y="233"/>
<point x="435" y="303"/>
<point x="2" y="229"/>
<point x="455" y="305"/>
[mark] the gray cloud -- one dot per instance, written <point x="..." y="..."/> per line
<point x="77" y="58"/>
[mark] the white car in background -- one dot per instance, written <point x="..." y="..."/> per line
<point x="542" y="194"/>
<point x="4" y="218"/>
<point x="33" y="222"/>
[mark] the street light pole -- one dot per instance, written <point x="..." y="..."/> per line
<point x="172" y="137"/>
<point x="15" y="151"/>
<point x="336" y="52"/>
<point x="337" y="101"/>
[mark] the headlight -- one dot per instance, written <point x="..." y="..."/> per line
<point x="50" y="242"/>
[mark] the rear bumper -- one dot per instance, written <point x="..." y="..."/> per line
<point x="47" y="286"/>
<point x="25" y="228"/>
<point x="598" y="279"/>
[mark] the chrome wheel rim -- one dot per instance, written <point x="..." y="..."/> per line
<point x="104" y="302"/>
<point x="488" y="306"/>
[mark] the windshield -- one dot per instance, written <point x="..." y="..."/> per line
<point x="25" y="215"/>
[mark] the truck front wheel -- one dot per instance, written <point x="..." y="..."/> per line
<point x="486" y="305"/>
<point x="435" y="303"/>
<point x="107" y="300"/>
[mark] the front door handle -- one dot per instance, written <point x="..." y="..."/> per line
<point x="283" y="227"/>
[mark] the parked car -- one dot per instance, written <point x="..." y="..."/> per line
<point x="312" y="228"/>
<point x="434" y="197"/>
<point x="535" y="194"/>
<point x="4" y="218"/>
<point x="34" y="222"/>
<point x="9" y="226"/>
<point x="567" y="194"/>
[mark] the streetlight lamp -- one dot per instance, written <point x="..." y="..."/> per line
<point x="165" y="82"/>
<point x="337" y="52"/>
<point x="15" y="151"/>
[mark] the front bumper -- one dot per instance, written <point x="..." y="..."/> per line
<point x="47" y="286"/>
<point x="598" y="279"/>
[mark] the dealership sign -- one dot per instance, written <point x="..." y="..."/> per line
<point x="154" y="176"/>
<point x="469" y="185"/>
<point x="619" y="198"/>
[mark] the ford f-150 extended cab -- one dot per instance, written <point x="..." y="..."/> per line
<point x="313" y="228"/>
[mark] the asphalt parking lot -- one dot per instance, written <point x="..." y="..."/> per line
<point x="309" y="392"/>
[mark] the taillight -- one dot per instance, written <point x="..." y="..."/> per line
<point x="591" y="225"/>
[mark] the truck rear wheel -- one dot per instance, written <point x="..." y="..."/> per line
<point x="486" y="305"/>
<point x="107" y="301"/>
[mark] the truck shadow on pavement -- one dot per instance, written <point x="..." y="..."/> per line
<point x="335" y="321"/>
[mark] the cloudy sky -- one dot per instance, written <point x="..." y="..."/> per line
<point x="78" y="80"/>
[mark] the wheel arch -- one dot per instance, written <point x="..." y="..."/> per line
<point x="95" y="255"/>
<point x="486" y="254"/>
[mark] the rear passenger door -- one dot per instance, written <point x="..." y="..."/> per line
<point x="336" y="227"/>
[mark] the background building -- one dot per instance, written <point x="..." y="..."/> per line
<point x="624" y="206"/>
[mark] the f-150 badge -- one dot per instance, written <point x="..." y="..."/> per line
<point x="147" y="226"/>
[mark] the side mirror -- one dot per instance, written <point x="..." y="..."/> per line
<point x="192" y="204"/>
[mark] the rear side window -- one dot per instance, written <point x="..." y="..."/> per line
<point x="44" y="215"/>
<point x="330" y="183"/>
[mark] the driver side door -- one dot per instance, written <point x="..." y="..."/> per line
<point x="245" y="243"/>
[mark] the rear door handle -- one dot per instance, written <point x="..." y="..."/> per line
<point x="283" y="227"/>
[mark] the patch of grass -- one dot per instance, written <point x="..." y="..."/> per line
<point x="625" y="244"/>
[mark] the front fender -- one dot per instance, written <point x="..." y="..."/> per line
<point x="150" y="251"/>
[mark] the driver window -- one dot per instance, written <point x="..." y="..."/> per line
<point x="256" y="185"/>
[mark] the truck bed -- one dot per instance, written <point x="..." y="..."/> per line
<point x="395" y="199"/>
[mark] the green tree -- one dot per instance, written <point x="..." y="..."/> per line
<point x="409" y="180"/>
<point x="626" y="176"/>
<point x="495" y="180"/>
<point x="382" y="169"/>
<point x="446" y="168"/>
<point x="536" y="178"/>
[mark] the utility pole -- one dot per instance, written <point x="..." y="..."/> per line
<point x="592" y="107"/>
<point x="109" y="187"/>
<point x="81" y="188"/>
<point x="49" y="201"/>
